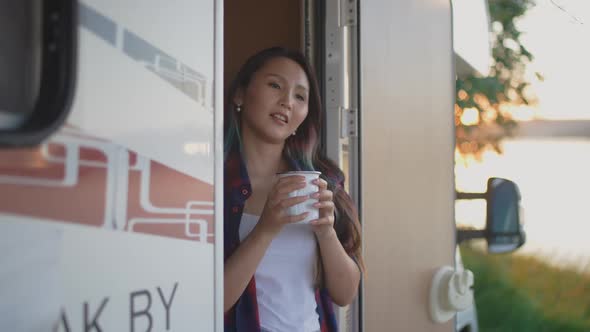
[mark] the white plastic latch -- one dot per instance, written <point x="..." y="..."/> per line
<point x="451" y="291"/>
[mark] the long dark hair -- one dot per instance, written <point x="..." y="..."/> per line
<point x="303" y="149"/>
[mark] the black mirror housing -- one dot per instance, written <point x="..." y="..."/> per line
<point x="504" y="232"/>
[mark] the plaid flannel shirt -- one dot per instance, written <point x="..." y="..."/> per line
<point x="243" y="316"/>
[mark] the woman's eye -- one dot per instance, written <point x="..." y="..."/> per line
<point x="274" y="85"/>
<point x="300" y="97"/>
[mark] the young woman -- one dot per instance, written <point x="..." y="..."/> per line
<point x="279" y="275"/>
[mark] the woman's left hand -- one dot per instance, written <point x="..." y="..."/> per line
<point x="324" y="225"/>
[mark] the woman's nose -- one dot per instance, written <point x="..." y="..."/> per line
<point x="287" y="101"/>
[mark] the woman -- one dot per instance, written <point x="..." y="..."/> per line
<point x="279" y="275"/>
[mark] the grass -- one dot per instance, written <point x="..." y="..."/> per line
<point x="522" y="294"/>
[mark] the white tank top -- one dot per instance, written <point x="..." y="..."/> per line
<point x="285" y="278"/>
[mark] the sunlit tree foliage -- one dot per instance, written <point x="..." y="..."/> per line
<point x="483" y="104"/>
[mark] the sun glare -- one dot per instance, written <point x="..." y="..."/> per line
<point x="470" y="117"/>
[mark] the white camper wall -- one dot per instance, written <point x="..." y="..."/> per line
<point x="407" y="140"/>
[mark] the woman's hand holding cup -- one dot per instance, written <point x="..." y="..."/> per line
<point x="299" y="197"/>
<point x="275" y="213"/>
<point x="324" y="225"/>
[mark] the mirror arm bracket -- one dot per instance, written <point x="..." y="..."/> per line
<point x="461" y="195"/>
<point x="470" y="234"/>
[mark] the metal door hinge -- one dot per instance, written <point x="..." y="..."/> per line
<point x="348" y="12"/>
<point x="348" y="122"/>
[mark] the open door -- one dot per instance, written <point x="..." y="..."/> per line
<point x="407" y="152"/>
<point x="312" y="27"/>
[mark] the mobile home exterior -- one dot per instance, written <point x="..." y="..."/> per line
<point x="113" y="221"/>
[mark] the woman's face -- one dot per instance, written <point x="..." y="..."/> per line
<point x="275" y="102"/>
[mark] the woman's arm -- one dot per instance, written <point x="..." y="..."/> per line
<point x="341" y="273"/>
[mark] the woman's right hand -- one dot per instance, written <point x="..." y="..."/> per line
<point x="274" y="215"/>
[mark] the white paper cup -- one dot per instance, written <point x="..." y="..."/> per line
<point x="309" y="189"/>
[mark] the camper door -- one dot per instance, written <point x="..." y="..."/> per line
<point x="109" y="222"/>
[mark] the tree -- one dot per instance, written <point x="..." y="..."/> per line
<point x="488" y="100"/>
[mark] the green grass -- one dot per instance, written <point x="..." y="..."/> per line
<point x="522" y="294"/>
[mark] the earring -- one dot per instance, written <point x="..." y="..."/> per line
<point x="238" y="108"/>
<point x="294" y="133"/>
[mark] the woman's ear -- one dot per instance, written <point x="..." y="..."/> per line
<point x="239" y="97"/>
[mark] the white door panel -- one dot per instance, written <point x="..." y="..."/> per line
<point x="135" y="88"/>
<point x="407" y="142"/>
<point x="119" y="212"/>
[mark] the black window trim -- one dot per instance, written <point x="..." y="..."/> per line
<point x="58" y="76"/>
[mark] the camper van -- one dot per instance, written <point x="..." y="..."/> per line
<point x="111" y="156"/>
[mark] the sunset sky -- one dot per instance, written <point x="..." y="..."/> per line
<point x="560" y="41"/>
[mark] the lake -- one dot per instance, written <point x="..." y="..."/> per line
<point x="554" y="180"/>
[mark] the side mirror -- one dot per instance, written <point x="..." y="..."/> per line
<point x="37" y="68"/>
<point x="504" y="232"/>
